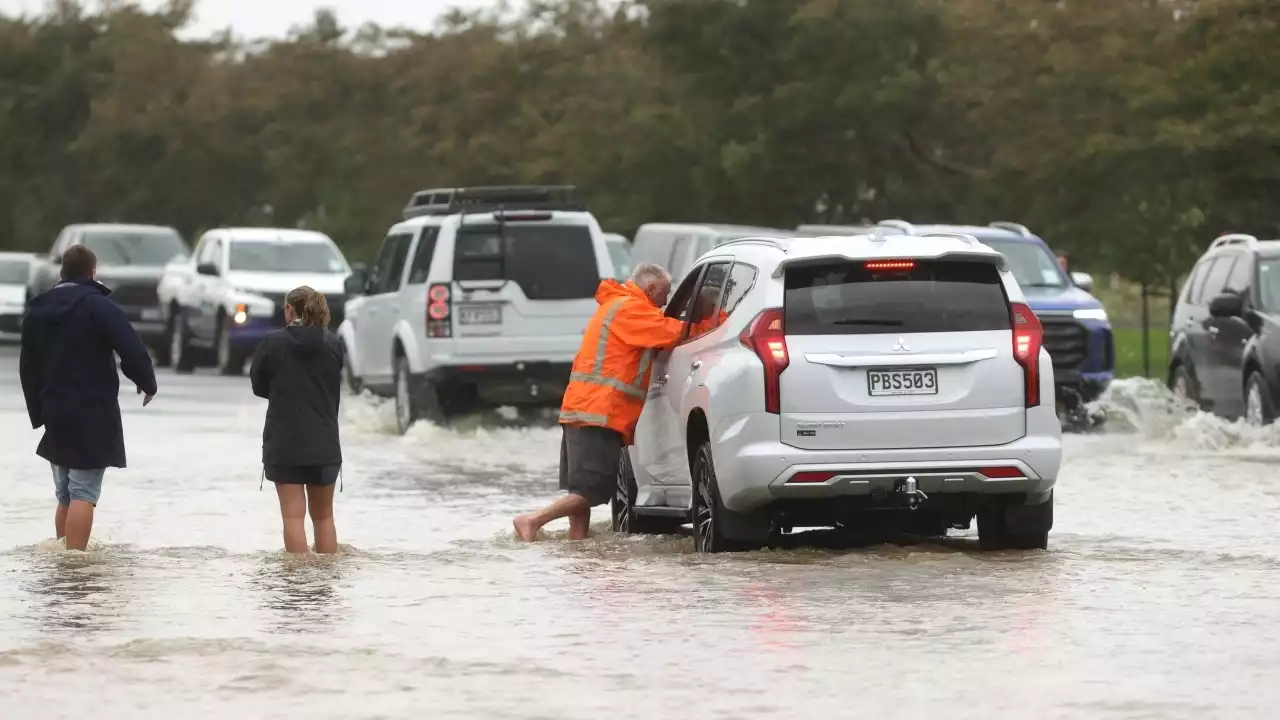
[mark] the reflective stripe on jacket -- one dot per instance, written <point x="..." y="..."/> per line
<point x="610" y="375"/>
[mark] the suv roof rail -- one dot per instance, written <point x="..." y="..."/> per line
<point x="1232" y="239"/>
<point x="906" y="227"/>
<point x="447" y="201"/>
<point x="772" y="242"/>
<point x="957" y="235"/>
<point x="1014" y="227"/>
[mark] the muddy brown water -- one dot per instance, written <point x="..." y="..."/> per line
<point x="1157" y="598"/>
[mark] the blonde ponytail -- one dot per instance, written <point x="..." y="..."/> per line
<point x="310" y="307"/>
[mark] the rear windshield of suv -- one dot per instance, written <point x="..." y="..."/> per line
<point x="856" y="298"/>
<point x="548" y="262"/>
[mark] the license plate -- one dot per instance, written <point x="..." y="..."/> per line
<point x="480" y="314"/>
<point x="151" y="313"/>
<point x="914" y="381"/>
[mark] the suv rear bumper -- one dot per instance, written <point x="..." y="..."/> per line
<point x="753" y="467"/>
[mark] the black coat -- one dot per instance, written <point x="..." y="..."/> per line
<point x="71" y="336"/>
<point x="299" y="371"/>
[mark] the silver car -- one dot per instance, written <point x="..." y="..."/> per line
<point x="824" y="379"/>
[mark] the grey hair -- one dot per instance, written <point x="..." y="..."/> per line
<point x="646" y="273"/>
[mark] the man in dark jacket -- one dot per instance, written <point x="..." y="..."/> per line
<point x="70" y="337"/>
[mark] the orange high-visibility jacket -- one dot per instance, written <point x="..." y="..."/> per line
<point x="610" y="375"/>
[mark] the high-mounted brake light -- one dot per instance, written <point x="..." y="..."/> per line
<point x="890" y="265"/>
<point x="438" y="311"/>
<point x="767" y="338"/>
<point x="1028" y="338"/>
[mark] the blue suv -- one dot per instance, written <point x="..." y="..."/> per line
<point x="1077" y="333"/>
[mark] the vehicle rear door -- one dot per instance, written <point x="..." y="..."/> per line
<point x="523" y="286"/>
<point x="380" y="309"/>
<point x="655" y="451"/>
<point x="899" y="354"/>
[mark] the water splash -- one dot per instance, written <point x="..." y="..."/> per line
<point x="1147" y="408"/>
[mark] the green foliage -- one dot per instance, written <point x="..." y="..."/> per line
<point x="1128" y="132"/>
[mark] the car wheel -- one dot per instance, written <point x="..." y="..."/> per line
<point x="230" y="360"/>
<point x="707" y="512"/>
<point x="162" y="351"/>
<point x="349" y="376"/>
<point x="1257" y="401"/>
<point x="1183" y="385"/>
<point x="180" y="346"/>
<point x="623" y="506"/>
<point x="1016" y="527"/>
<point x="406" y="405"/>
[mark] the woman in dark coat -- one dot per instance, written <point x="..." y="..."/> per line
<point x="299" y="371"/>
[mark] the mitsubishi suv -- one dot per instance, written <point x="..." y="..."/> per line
<point x="478" y="298"/>
<point x="821" y="379"/>
<point x="1225" y="335"/>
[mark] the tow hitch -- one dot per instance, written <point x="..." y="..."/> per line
<point x="914" y="496"/>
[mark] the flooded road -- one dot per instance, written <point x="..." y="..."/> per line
<point x="1157" y="598"/>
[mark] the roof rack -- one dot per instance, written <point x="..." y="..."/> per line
<point x="1233" y="239"/>
<point x="1013" y="227"/>
<point x="906" y="227"/>
<point x="448" y="201"/>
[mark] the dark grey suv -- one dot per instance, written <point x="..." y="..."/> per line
<point x="1225" y="333"/>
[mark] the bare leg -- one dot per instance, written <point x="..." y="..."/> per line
<point x="79" y="524"/>
<point x="60" y="521"/>
<point x="293" y="511"/>
<point x="527" y="526"/>
<point x="320" y="505"/>
<point x="579" y="523"/>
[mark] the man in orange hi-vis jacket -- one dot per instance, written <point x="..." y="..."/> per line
<point x="606" y="392"/>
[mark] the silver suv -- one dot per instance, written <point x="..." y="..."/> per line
<point x="822" y="379"/>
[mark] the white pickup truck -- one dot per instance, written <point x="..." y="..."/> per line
<point x="218" y="304"/>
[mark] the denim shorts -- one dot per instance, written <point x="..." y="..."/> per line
<point x="71" y="484"/>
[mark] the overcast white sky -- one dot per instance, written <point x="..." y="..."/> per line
<point x="261" y="18"/>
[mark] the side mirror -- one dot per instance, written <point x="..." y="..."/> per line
<point x="355" y="282"/>
<point x="1226" y="305"/>
<point x="207" y="268"/>
<point x="1084" y="281"/>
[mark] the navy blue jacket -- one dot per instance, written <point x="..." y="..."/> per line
<point x="70" y="338"/>
<point x="299" y="371"/>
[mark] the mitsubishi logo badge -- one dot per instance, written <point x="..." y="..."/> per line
<point x="901" y="346"/>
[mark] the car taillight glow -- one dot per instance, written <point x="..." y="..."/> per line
<point x="1028" y="337"/>
<point x="438" y="311"/>
<point x="811" y="477"/>
<point x="882" y="265"/>
<point x="766" y="337"/>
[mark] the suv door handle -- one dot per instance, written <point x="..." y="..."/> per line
<point x="697" y="364"/>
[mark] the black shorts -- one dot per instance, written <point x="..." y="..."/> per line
<point x="303" y="474"/>
<point x="589" y="459"/>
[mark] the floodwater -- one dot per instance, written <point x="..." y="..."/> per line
<point x="1157" y="598"/>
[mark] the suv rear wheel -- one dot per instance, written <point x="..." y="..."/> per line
<point x="1183" y="385"/>
<point x="406" y="397"/>
<point x="623" y="506"/>
<point x="1016" y="527"/>
<point x="707" y="512"/>
<point x="1257" y="401"/>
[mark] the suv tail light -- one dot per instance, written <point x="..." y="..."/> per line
<point x="438" y="325"/>
<point x="1028" y="337"/>
<point x="767" y="338"/>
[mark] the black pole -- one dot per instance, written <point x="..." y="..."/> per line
<point x="1146" y="333"/>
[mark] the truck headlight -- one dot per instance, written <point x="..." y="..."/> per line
<point x="1090" y="314"/>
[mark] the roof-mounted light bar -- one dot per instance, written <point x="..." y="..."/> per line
<point x="1233" y="239"/>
